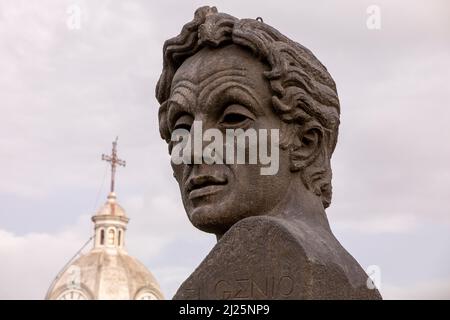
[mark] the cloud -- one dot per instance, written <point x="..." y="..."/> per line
<point x="30" y="262"/>
<point x="394" y="223"/>
<point x="66" y="94"/>
<point x="431" y="290"/>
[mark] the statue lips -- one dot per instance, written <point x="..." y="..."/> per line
<point x="204" y="185"/>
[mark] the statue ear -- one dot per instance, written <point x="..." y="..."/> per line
<point x="307" y="145"/>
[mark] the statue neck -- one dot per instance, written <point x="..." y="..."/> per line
<point x="299" y="204"/>
<point x="302" y="204"/>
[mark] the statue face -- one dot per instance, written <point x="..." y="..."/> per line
<point x="225" y="88"/>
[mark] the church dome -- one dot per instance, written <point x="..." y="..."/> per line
<point x="106" y="271"/>
<point x="105" y="275"/>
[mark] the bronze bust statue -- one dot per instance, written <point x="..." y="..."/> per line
<point x="273" y="236"/>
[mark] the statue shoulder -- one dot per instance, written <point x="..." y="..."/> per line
<point x="267" y="257"/>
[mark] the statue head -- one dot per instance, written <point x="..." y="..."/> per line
<point x="239" y="74"/>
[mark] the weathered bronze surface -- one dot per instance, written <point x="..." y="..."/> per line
<point x="274" y="240"/>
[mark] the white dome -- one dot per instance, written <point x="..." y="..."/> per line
<point x="106" y="272"/>
<point x="105" y="275"/>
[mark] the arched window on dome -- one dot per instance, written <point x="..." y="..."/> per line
<point x="119" y="238"/>
<point x="111" y="236"/>
<point x="102" y="237"/>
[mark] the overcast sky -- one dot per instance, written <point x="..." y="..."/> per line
<point x="66" y="93"/>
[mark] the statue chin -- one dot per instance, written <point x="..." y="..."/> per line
<point x="206" y="222"/>
<point x="211" y="220"/>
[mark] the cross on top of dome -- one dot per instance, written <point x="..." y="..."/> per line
<point x="114" y="160"/>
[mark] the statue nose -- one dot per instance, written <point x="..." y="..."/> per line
<point x="196" y="153"/>
<point x="195" y="144"/>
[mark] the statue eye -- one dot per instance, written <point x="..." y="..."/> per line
<point x="184" y="122"/>
<point x="236" y="115"/>
<point x="233" y="118"/>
